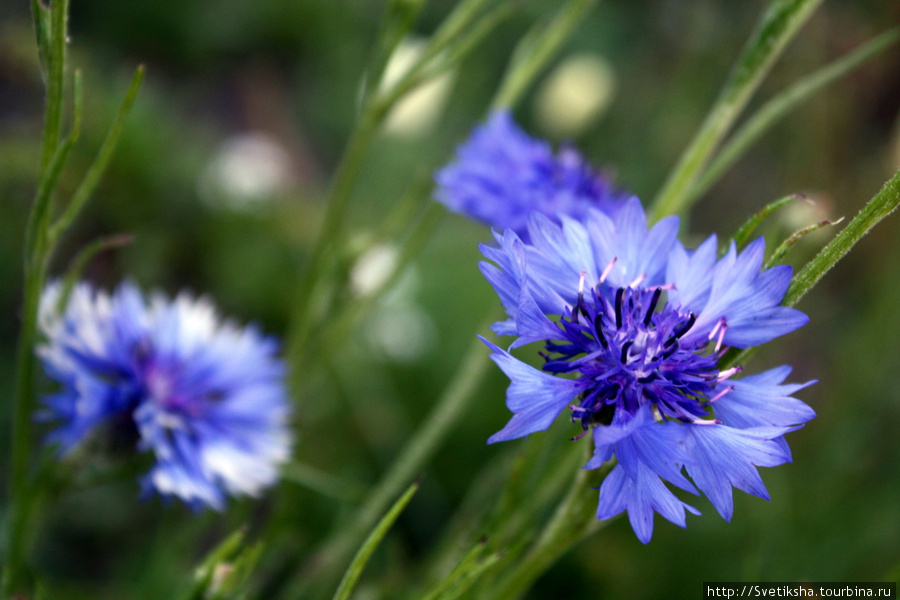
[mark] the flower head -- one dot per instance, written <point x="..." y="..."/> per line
<point x="634" y="328"/>
<point x="205" y="397"/>
<point x="501" y="175"/>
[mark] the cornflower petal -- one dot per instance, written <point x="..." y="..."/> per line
<point x="501" y="175"/>
<point x="726" y="456"/>
<point x="748" y="299"/>
<point x="535" y="398"/>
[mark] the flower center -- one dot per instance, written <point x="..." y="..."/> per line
<point x="634" y="355"/>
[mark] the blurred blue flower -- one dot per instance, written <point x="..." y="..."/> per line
<point x="634" y="328"/>
<point x="205" y="397"/>
<point x="501" y="175"/>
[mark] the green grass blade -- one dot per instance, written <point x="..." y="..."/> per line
<point x="536" y="49"/>
<point x="783" y="103"/>
<point x="371" y="544"/>
<point x="95" y="172"/>
<point x="778" y="25"/>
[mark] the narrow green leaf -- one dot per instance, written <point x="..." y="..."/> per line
<point x="746" y="230"/>
<point x="230" y="578"/>
<point x="40" y="17"/>
<point x="452" y="55"/>
<point x="456" y="24"/>
<point x="204" y="574"/>
<point x="778" y="25"/>
<point x="95" y="172"/>
<point x="783" y="103"/>
<point x="55" y="78"/>
<point x="73" y="274"/>
<point x="399" y="17"/>
<point x="536" y="49"/>
<point x="465" y="574"/>
<point x="371" y="544"/>
<point x="782" y="250"/>
<point x="880" y="206"/>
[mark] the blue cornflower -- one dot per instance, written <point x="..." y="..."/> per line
<point x="205" y="397"/>
<point x="634" y="328"/>
<point x="501" y="175"/>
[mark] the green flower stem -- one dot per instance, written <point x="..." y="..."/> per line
<point x="311" y="280"/>
<point x="778" y="25"/>
<point x="51" y="36"/>
<point x="536" y="49"/>
<point x="447" y="413"/>
<point x="782" y="104"/>
<point x="572" y="522"/>
<point x="16" y="576"/>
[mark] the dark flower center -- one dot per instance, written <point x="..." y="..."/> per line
<point x="629" y="343"/>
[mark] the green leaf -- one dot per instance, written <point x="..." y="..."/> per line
<point x="472" y="566"/>
<point x="225" y="569"/>
<point x="746" y="230"/>
<point x="876" y="209"/>
<point x="354" y="571"/>
<point x="536" y="49"/>
<point x="95" y="172"/>
<point x="782" y="250"/>
<point x="778" y="25"/>
<point x="40" y="17"/>
<point x="73" y="274"/>
<point x="55" y="75"/>
<point x="783" y="103"/>
<point x="880" y="206"/>
<point x="399" y="17"/>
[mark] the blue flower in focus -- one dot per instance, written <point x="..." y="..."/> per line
<point x="205" y="397"/>
<point x="501" y="175"/>
<point x="634" y="328"/>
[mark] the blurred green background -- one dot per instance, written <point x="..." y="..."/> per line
<point x="221" y="175"/>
